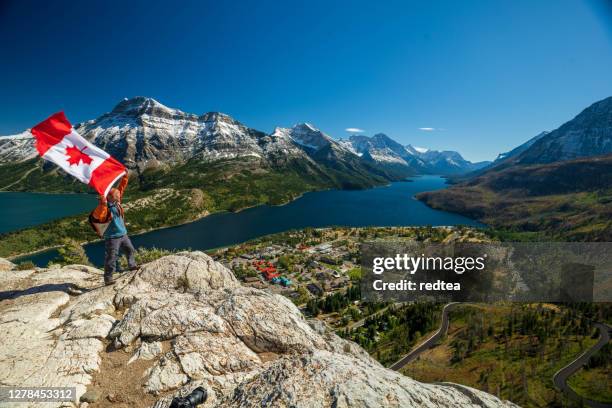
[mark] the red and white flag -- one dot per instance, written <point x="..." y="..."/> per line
<point x="59" y="143"/>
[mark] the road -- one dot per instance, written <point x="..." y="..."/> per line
<point x="561" y="376"/>
<point x="430" y="342"/>
<point x="360" y="323"/>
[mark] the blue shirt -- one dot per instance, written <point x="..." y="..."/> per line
<point x="116" y="227"/>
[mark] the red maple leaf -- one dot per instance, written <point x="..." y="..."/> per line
<point x="75" y="156"/>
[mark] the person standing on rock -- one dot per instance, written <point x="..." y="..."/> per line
<point x="108" y="221"/>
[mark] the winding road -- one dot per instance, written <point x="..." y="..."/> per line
<point x="430" y="342"/>
<point x="561" y="376"/>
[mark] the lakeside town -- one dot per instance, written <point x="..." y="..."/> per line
<point x="319" y="269"/>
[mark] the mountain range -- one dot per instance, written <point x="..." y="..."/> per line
<point x="386" y="152"/>
<point x="147" y="136"/>
<point x="558" y="183"/>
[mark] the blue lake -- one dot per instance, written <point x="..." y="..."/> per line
<point x="21" y="210"/>
<point x="382" y="206"/>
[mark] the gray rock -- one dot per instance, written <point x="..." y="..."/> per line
<point x="147" y="351"/>
<point x="90" y="396"/>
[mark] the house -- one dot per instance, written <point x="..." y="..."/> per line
<point x="315" y="289"/>
<point x="322" y="276"/>
<point x="331" y="260"/>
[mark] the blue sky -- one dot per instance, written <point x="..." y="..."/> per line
<point x="485" y="74"/>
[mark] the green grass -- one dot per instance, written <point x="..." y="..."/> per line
<point x="593" y="380"/>
<point x="593" y="384"/>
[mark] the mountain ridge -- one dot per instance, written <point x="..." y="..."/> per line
<point x="557" y="183"/>
<point x="143" y="133"/>
<point x="385" y="151"/>
<point x="147" y="137"/>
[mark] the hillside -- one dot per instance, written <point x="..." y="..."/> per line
<point x="588" y="134"/>
<point x="557" y="185"/>
<point x="565" y="200"/>
<point x="184" y="321"/>
<point x="510" y="350"/>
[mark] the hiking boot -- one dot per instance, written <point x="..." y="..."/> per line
<point x="108" y="280"/>
<point x="134" y="268"/>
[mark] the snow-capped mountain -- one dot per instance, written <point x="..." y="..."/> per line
<point x="143" y="134"/>
<point x="16" y="148"/>
<point x="414" y="150"/>
<point x="448" y="162"/>
<point x="305" y="135"/>
<point x="379" y="148"/>
<point x="385" y="151"/>
<point x="314" y="142"/>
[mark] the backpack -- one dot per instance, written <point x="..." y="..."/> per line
<point x="99" y="226"/>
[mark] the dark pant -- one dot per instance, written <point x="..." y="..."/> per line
<point x="113" y="246"/>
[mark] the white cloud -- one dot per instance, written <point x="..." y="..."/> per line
<point x="430" y="129"/>
<point x="354" y="130"/>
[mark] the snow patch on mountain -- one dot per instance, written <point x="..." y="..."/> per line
<point x="308" y="136"/>
<point x="17" y="147"/>
<point x="384" y="150"/>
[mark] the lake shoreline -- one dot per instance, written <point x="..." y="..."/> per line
<point x="389" y="204"/>
<point x="146" y="231"/>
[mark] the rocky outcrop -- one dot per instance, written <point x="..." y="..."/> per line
<point x="186" y="321"/>
<point x="40" y="346"/>
<point x="6" y="265"/>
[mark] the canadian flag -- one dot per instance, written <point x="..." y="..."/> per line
<point x="59" y="143"/>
